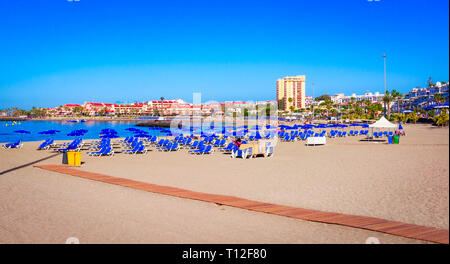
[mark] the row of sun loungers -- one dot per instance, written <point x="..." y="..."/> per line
<point x="297" y="135"/>
<point x="133" y="145"/>
<point x="382" y="134"/>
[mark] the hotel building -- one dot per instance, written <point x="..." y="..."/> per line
<point x="291" y="87"/>
<point x="344" y="99"/>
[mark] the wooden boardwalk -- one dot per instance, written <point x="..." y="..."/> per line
<point x="430" y="234"/>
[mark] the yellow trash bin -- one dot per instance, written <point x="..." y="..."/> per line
<point x="74" y="158"/>
<point x="77" y="158"/>
<point x="71" y="158"/>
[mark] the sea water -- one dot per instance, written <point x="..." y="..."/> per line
<point x="7" y="129"/>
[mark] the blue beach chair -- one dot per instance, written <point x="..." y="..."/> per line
<point x="198" y="151"/>
<point x="165" y="148"/>
<point x="229" y="148"/>
<point x="46" y="144"/>
<point x="17" y="144"/>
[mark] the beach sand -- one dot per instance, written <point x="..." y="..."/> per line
<point x="408" y="182"/>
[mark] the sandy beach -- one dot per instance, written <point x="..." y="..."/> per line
<point x="408" y="182"/>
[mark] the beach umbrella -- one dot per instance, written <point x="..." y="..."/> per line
<point x="49" y="132"/>
<point x="22" y="132"/>
<point x="141" y="135"/>
<point x="46" y="132"/>
<point x="137" y="130"/>
<point x="79" y="131"/>
<point x="76" y="133"/>
<point x="258" y="135"/>
<point x="108" y="130"/>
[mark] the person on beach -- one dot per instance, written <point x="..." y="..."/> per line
<point x="237" y="142"/>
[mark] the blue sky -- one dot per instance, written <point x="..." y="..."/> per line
<point x="56" y="52"/>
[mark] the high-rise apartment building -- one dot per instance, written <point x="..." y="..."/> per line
<point x="291" y="92"/>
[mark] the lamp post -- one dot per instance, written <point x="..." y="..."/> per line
<point x="384" y="60"/>
<point x="312" y="84"/>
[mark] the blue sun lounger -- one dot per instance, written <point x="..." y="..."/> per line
<point x="160" y="142"/>
<point x="208" y="150"/>
<point x="165" y="148"/>
<point x="174" y="147"/>
<point x="188" y="141"/>
<point x="229" y="148"/>
<point x="198" y="151"/>
<point x="74" y="146"/>
<point x="289" y="138"/>
<point x="192" y="146"/>
<point x="153" y="139"/>
<point x="46" y="144"/>
<point x="106" y="150"/>
<point x="219" y="143"/>
<point x="139" y="148"/>
<point x="126" y="140"/>
<point x="17" y="144"/>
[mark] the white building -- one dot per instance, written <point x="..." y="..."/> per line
<point x="342" y="99"/>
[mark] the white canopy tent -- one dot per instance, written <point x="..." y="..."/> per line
<point x="380" y="124"/>
<point x="383" y="123"/>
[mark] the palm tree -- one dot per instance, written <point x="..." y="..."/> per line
<point x="375" y="108"/>
<point x="387" y="100"/>
<point x="329" y="106"/>
<point x="430" y="82"/>
<point x="413" y="116"/>
<point x="438" y="98"/>
<point x="397" y="96"/>
<point x="290" y="100"/>
<point x="367" y="106"/>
